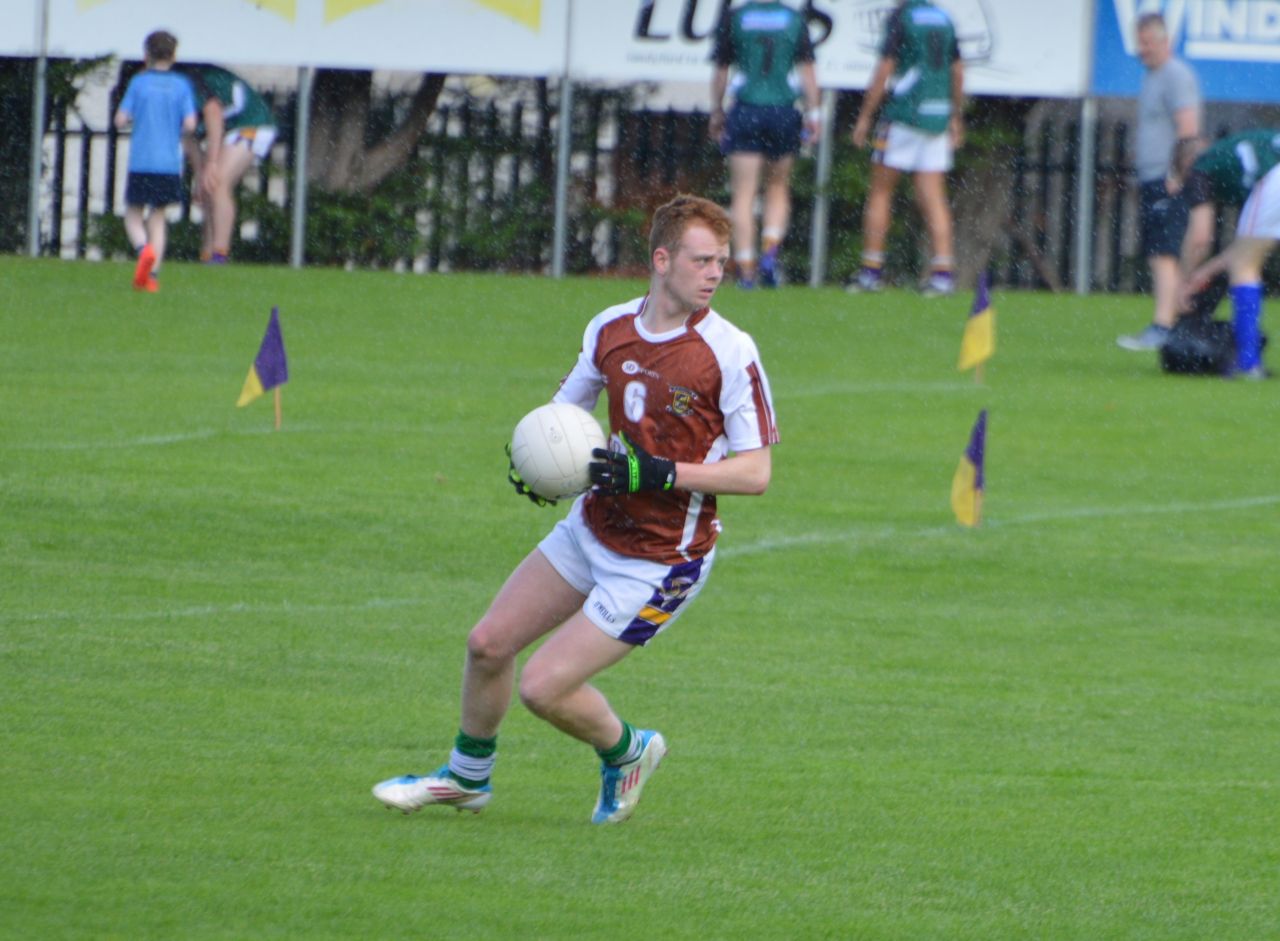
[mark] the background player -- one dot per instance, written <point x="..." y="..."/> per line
<point x="922" y="126"/>
<point x="762" y="132"/>
<point x="160" y="106"/>
<point x="239" y="130"/>
<point x="1223" y="171"/>
<point x="682" y="383"/>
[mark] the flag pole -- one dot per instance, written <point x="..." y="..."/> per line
<point x="277" y="391"/>
<point x="977" y="374"/>
<point x="977" y="509"/>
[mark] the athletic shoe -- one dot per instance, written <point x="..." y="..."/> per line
<point x="620" y="785"/>
<point x="142" y="271"/>
<point x="1256" y="374"/>
<point x="151" y="286"/>
<point x="939" y="285"/>
<point x="769" y="270"/>
<point x="1152" y="338"/>
<point x="410" y="792"/>
<point x="746" y="284"/>
<point x="867" y="282"/>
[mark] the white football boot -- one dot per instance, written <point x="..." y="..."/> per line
<point x="409" y="792"/>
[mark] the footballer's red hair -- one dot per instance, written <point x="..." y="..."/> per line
<point x="672" y="219"/>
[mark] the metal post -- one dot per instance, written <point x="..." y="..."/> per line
<point x="301" y="131"/>
<point x="562" y="153"/>
<point x="1085" y="194"/>
<point x="1085" y="183"/>
<point x="37" y="130"/>
<point x="822" y="200"/>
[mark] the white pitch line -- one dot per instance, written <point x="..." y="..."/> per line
<point x="214" y="610"/>
<point x="866" y="388"/>
<point x="854" y="536"/>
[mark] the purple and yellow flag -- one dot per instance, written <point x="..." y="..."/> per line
<point x="967" y="485"/>
<point x="270" y="368"/>
<point x="979" y="340"/>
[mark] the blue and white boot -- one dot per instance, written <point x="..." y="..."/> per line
<point x="620" y="785"/>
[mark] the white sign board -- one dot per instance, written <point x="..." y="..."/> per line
<point x="1011" y="47"/>
<point x="21" y="33"/>
<point x="505" y="37"/>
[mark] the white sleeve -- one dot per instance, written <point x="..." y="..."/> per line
<point x="746" y="400"/>
<point x="584" y="383"/>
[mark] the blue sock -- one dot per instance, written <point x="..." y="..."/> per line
<point x="1246" y="305"/>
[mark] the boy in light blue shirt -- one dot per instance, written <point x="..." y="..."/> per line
<point x="161" y="106"/>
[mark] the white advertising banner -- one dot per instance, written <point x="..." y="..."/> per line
<point x="1011" y="47"/>
<point x="507" y="37"/>
<point x="21" y="33"/>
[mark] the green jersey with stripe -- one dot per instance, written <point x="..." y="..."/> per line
<point x="1226" y="172"/>
<point x="241" y="105"/>
<point x="921" y="40"/>
<point x="765" y="41"/>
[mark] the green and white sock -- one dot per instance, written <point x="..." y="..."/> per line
<point x="471" y="761"/>
<point x="627" y="749"/>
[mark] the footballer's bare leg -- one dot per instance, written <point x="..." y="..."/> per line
<point x="554" y="687"/>
<point x="533" y="600"/>
<point x="777" y="195"/>
<point x="744" y="183"/>
<point x="233" y="163"/>
<point x="875" y="214"/>
<point x="931" y="196"/>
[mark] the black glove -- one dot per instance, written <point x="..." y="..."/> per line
<point x="522" y="488"/>
<point x="633" y="471"/>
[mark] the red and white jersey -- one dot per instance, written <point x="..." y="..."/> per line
<point x="693" y="394"/>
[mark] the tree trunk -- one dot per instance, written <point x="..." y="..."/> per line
<point x="340" y="160"/>
<point x="982" y="195"/>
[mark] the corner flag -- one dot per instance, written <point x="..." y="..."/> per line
<point x="967" y="485"/>
<point x="979" y="340"/>
<point x="270" y="369"/>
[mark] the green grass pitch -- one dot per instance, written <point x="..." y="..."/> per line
<point x="214" y="638"/>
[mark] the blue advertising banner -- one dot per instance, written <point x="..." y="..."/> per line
<point x="1233" y="45"/>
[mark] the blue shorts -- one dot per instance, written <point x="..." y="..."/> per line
<point x="152" y="189"/>
<point x="772" y="130"/>
<point x="1164" y="220"/>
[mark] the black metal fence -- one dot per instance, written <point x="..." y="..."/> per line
<point x="486" y="174"/>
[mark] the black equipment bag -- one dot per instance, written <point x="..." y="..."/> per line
<point x="1199" y="346"/>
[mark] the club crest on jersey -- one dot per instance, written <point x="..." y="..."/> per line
<point x="681" y="401"/>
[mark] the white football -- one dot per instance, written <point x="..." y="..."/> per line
<point x="551" y="448"/>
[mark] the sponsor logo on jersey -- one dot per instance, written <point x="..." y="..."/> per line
<point x="632" y="368"/>
<point x="766" y="21"/>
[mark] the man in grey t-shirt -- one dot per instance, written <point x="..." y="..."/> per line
<point x="1169" y="111"/>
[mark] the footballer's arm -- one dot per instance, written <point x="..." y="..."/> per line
<point x="746" y="472"/>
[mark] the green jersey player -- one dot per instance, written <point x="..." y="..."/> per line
<point x="765" y="42"/>
<point x="1238" y="171"/>
<point x="921" y="75"/>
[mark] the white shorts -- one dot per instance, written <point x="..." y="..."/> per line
<point x="1260" y="217"/>
<point x="628" y="598"/>
<point x="911" y="150"/>
<point x="257" y="139"/>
